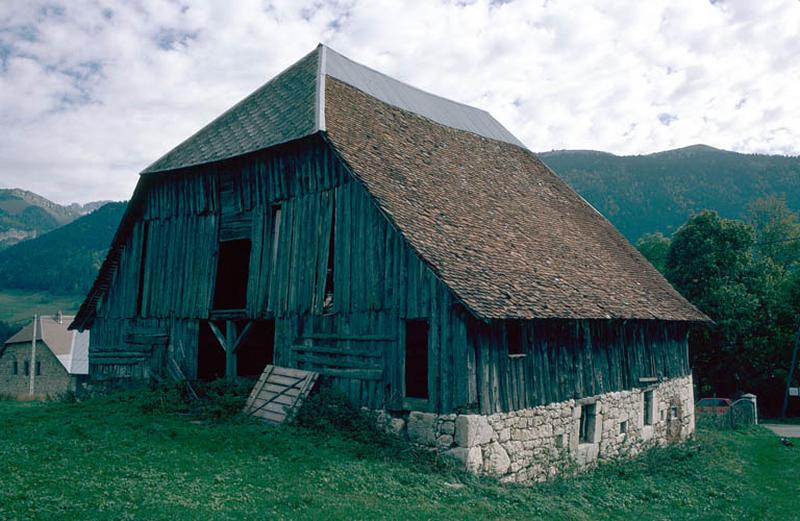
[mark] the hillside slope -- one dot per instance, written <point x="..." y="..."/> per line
<point x="658" y="192"/>
<point x="65" y="260"/>
<point x="25" y="215"/>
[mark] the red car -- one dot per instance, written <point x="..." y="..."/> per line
<point x="712" y="406"/>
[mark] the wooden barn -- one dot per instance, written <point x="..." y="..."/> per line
<point x="409" y="249"/>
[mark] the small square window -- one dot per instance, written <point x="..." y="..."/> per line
<point x="623" y="427"/>
<point x="649" y="407"/>
<point x="588" y="415"/>
<point x="673" y="413"/>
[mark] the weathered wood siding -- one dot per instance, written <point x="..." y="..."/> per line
<point x="379" y="281"/>
<point x="144" y="321"/>
<point x="564" y="359"/>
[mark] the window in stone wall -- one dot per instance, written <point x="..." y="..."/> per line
<point x="673" y="413"/>
<point x="27" y="368"/>
<point x="648" y="405"/>
<point x="38" y="368"/>
<point x="15" y="369"/>
<point x="588" y="416"/>
<point x="623" y="427"/>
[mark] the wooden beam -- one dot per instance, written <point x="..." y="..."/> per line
<point x="230" y="355"/>
<point x="218" y="334"/>
<point x="242" y="336"/>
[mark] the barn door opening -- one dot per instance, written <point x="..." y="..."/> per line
<point x="256" y="350"/>
<point x="416" y="359"/>
<point x="210" y="354"/>
<point x="233" y="269"/>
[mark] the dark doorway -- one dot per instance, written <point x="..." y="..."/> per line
<point x="257" y="349"/>
<point x="416" y="359"/>
<point x="210" y="355"/>
<point x="233" y="268"/>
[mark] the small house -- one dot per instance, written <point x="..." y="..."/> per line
<point x="413" y="252"/>
<point x="56" y="362"/>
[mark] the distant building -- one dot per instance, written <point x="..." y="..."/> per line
<point x="59" y="363"/>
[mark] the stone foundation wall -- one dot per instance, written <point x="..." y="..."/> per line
<point x="541" y="442"/>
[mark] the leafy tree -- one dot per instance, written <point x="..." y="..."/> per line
<point x="753" y="300"/>
<point x="654" y="247"/>
<point x="706" y="253"/>
<point x="777" y="230"/>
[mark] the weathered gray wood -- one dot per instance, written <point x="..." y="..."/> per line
<point x="286" y="200"/>
<point x="279" y="391"/>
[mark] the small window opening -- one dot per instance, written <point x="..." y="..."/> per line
<point x="327" y="304"/>
<point x="233" y="269"/>
<point x="514" y="334"/>
<point x="275" y="230"/>
<point x="38" y="368"/>
<point x="416" y="377"/>
<point x="27" y="368"/>
<point x="648" y="407"/>
<point x="587" y="423"/>
<point x="623" y="427"/>
<point x="142" y="267"/>
<point x="257" y="348"/>
<point x="15" y="369"/>
<point x="673" y="413"/>
<point x="210" y="354"/>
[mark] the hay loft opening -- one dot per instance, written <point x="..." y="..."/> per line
<point x="233" y="268"/>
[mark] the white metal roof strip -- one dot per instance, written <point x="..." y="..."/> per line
<point x="404" y="96"/>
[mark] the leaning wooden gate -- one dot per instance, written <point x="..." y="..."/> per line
<point x="279" y="392"/>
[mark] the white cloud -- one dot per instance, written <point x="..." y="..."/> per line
<point x="93" y="91"/>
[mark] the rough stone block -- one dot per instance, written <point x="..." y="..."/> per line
<point x="396" y="426"/>
<point x="472" y="430"/>
<point x="504" y="435"/>
<point x="448" y="427"/>
<point x="471" y="458"/>
<point x="421" y="428"/>
<point x="495" y="459"/>
<point x="445" y="440"/>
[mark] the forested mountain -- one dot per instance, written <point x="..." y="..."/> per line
<point x="658" y="192"/>
<point x="64" y="260"/>
<point x="24" y="215"/>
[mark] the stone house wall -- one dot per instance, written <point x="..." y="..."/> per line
<point x="539" y="443"/>
<point x="53" y="380"/>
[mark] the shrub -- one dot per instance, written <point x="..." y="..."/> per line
<point x="329" y="409"/>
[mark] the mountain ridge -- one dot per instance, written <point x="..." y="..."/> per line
<point x="26" y="215"/>
<point x="658" y="192"/>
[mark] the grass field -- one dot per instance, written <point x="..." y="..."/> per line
<point x="17" y="305"/>
<point x="125" y="457"/>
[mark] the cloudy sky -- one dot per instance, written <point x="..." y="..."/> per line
<point x="93" y="91"/>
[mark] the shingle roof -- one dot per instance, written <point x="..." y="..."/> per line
<point x="280" y="111"/>
<point x="70" y="347"/>
<point x="291" y="106"/>
<point x="499" y="228"/>
<point x="505" y="233"/>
